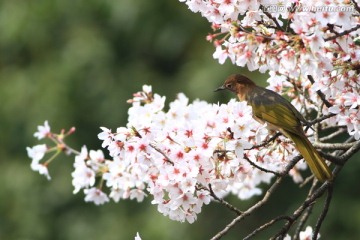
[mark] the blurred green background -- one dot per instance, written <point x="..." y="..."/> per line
<point x="75" y="63"/>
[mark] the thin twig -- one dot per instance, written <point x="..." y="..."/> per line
<point x="162" y="153"/>
<point x="292" y="163"/>
<point x="222" y="201"/>
<point x="306" y="181"/>
<point x="251" y="162"/>
<point x="266" y="142"/>
<point x="317" y="127"/>
<point x="298" y="212"/>
<point x="320" y="119"/>
<point x="266" y="225"/>
<point x="333" y="127"/>
<point x="256" y="206"/>
<point x="261" y="168"/>
<point x="324" y="211"/>
<point x="342" y="33"/>
<point x="319" y="93"/>
<point x="306" y="214"/>
<point x="274" y="20"/>
<point x="302" y="222"/>
<point x="332" y="135"/>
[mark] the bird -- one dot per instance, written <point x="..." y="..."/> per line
<point x="280" y="115"/>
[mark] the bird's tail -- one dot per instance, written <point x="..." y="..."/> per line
<point x="316" y="163"/>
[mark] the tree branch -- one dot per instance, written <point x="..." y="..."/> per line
<point x="331" y="158"/>
<point x="332" y="135"/>
<point x="324" y="211"/>
<point x="310" y="200"/>
<point x="266" y="225"/>
<point x="333" y="146"/>
<point x="355" y="5"/>
<point x="322" y="118"/>
<point x="266" y="142"/>
<point x="350" y="152"/>
<point x="306" y="214"/>
<point x="319" y="93"/>
<point x="162" y="153"/>
<point x="342" y="33"/>
<point x="222" y="201"/>
<point x="261" y="168"/>
<point x="256" y="206"/>
<point x="274" y="20"/>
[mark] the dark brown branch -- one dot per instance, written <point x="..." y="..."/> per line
<point x="320" y="119"/>
<point x="306" y="181"/>
<point x="357" y="8"/>
<point x="306" y="213"/>
<point x="350" y="152"/>
<point x="266" y="225"/>
<point x="223" y="202"/>
<point x="261" y="168"/>
<point x="274" y="20"/>
<point x="266" y="142"/>
<point x="324" y="211"/>
<point x="310" y="200"/>
<point x="292" y="163"/>
<point x="256" y="206"/>
<point x="302" y="222"/>
<point x="251" y="162"/>
<point x="342" y="33"/>
<point x="319" y="93"/>
<point x="331" y="158"/>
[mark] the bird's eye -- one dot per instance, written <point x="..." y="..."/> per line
<point x="228" y="86"/>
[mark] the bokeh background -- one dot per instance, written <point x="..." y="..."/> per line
<point x="75" y="63"/>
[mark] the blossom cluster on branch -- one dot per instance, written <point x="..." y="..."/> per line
<point x="294" y="40"/>
<point x="175" y="155"/>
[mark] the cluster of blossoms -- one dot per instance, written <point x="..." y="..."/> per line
<point x="193" y="152"/>
<point x="304" y="45"/>
<point x="182" y="157"/>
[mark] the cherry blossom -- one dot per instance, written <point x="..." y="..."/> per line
<point x="95" y="195"/>
<point x="37" y="153"/>
<point x="83" y="175"/>
<point x="137" y="237"/>
<point x="307" y="234"/>
<point x="43" y="131"/>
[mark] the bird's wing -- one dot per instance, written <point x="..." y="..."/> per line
<point x="274" y="109"/>
<point x="279" y="116"/>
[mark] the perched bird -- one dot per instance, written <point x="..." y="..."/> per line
<point x="280" y="115"/>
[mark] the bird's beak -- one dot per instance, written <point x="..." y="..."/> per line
<point x="219" y="89"/>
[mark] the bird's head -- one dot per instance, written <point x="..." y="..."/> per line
<point x="237" y="83"/>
